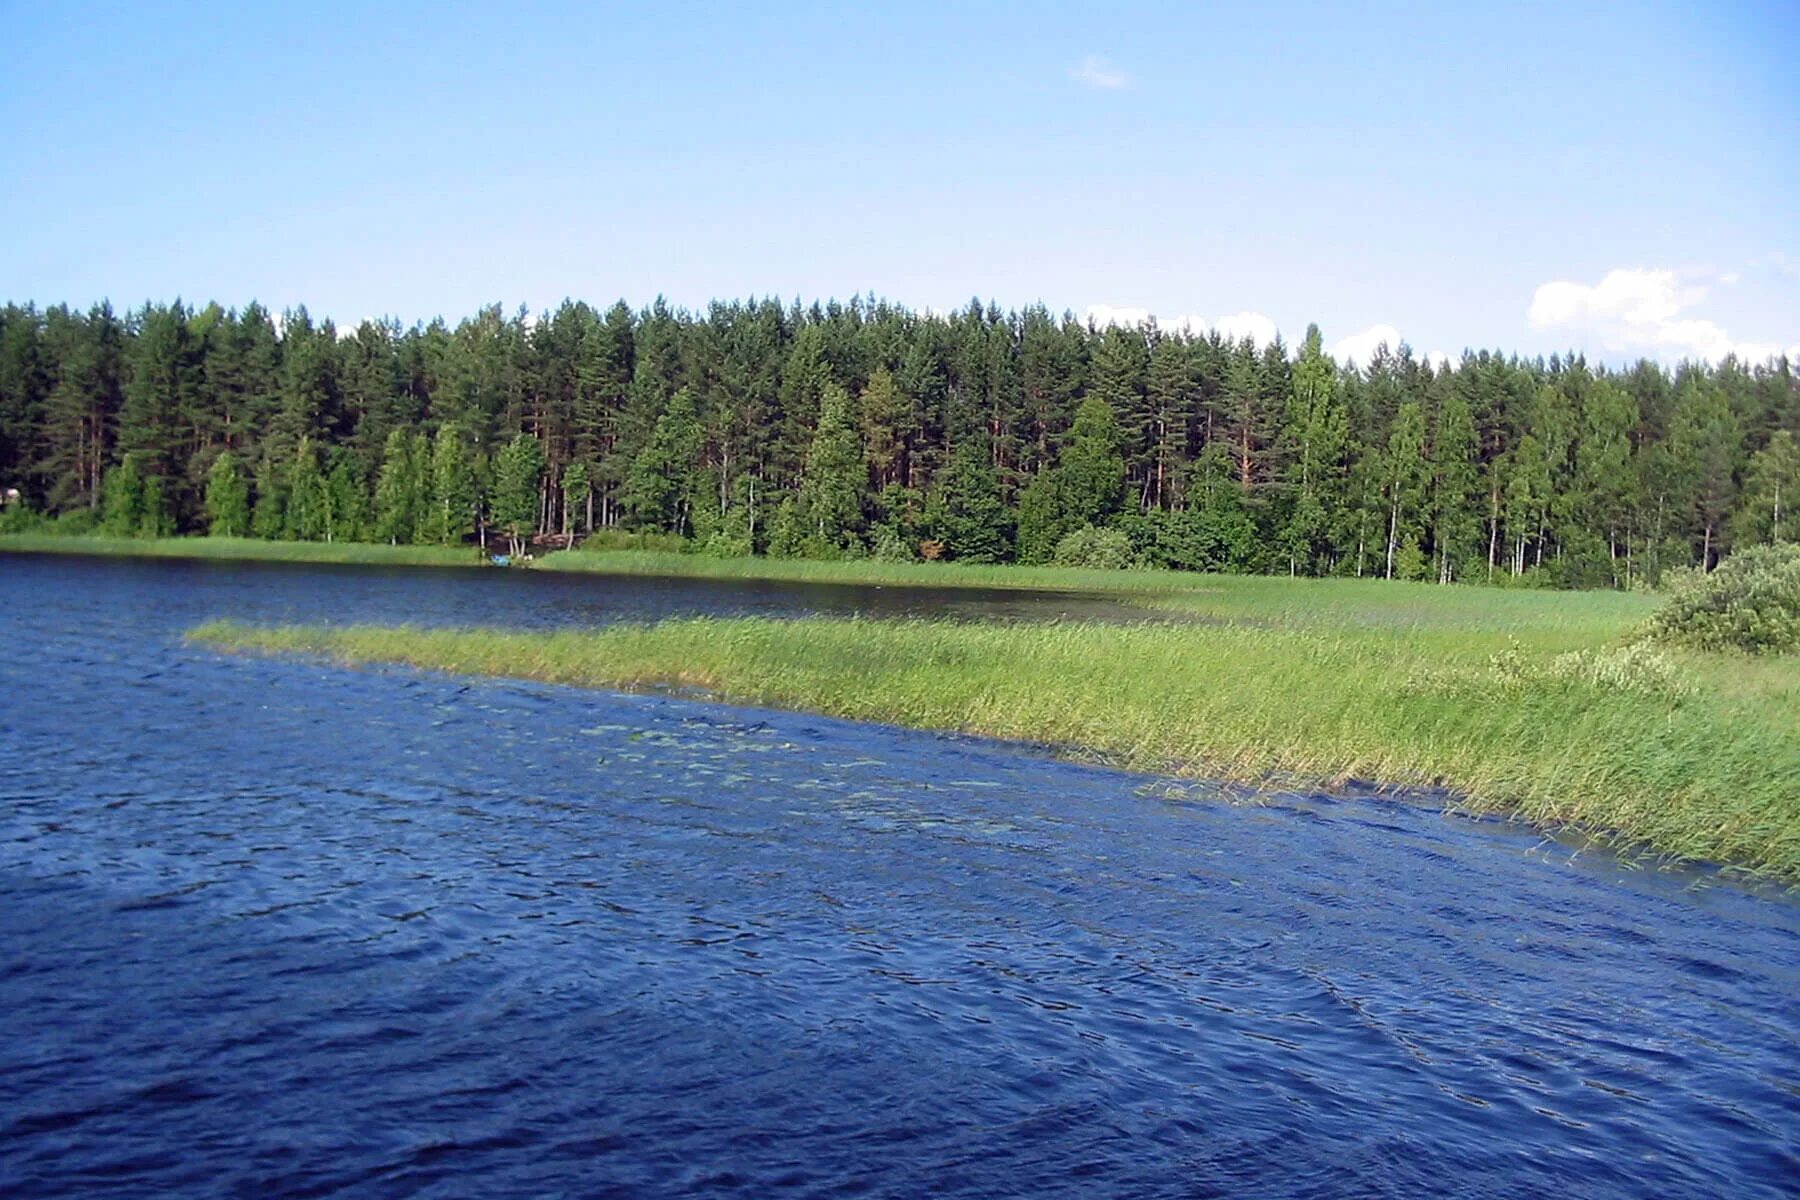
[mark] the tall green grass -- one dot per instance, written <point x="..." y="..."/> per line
<point x="1559" y="721"/>
<point x="244" y="549"/>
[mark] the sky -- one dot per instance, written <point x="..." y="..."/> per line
<point x="1615" y="179"/>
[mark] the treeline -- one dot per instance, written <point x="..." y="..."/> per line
<point x="865" y="428"/>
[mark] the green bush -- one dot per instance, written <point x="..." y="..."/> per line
<point x="1098" y="549"/>
<point x="77" y="522"/>
<point x="618" y="539"/>
<point x="19" y="518"/>
<point x="1751" y="603"/>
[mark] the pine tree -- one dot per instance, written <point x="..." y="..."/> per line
<point x="887" y="418"/>
<point x="830" y="500"/>
<point x="965" y="510"/>
<point x="664" y="479"/>
<point x="1704" y="443"/>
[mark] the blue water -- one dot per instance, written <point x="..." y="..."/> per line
<point x="275" y="928"/>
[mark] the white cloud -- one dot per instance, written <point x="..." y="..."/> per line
<point x="1258" y="327"/>
<point x="1359" y="348"/>
<point x="1097" y="72"/>
<point x="1439" y="359"/>
<point x="1641" y="311"/>
<point x="1102" y="315"/>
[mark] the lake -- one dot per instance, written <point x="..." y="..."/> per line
<point x="281" y="928"/>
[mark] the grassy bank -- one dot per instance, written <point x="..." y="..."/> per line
<point x="243" y="549"/>
<point x="1516" y="704"/>
<point x="869" y="571"/>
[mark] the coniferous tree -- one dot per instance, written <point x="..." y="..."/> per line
<point x="965" y="511"/>
<point x="1317" y="429"/>
<point x="828" y="506"/>
<point x="664" y="479"/>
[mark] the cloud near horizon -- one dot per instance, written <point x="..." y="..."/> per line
<point x="1256" y="326"/>
<point x="1099" y="73"/>
<point x="1644" y="311"/>
<point x="1356" y="350"/>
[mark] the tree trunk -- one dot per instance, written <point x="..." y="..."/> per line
<point x="1393" y="527"/>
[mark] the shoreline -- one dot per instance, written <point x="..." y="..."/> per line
<point x="208" y="549"/>
<point x="1607" y="742"/>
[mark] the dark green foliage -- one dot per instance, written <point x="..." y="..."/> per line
<point x="1751" y="603"/>
<point x="826" y="517"/>
<point x="965" y="511"/>
<point x="664" y="479"/>
<point x="1206" y="453"/>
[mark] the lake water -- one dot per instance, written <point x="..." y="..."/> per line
<point x="277" y="928"/>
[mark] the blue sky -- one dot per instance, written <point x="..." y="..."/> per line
<point x="1619" y="179"/>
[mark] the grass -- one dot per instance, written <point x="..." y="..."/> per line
<point x="242" y="549"/>
<point x="1534" y="704"/>
<point x="870" y="571"/>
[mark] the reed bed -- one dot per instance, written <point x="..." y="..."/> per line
<point x="1559" y="722"/>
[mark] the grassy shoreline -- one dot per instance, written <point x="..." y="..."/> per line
<point x="242" y="550"/>
<point x="1007" y="576"/>
<point x="1689" y="756"/>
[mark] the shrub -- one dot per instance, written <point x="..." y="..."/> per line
<point x="890" y="546"/>
<point x="1102" y="549"/>
<point x="1751" y="603"/>
<point x="20" y="518"/>
<point x="619" y="539"/>
<point x="77" y="522"/>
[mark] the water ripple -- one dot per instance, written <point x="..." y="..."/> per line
<point x="276" y="929"/>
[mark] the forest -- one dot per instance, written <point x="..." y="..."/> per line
<point x="856" y="429"/>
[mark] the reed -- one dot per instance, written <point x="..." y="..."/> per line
<point x="1558" y="718"/>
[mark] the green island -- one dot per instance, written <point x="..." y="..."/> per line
<point x="1547" y="706"/>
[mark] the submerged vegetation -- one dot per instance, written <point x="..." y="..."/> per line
<point x="1546" y="706"/>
